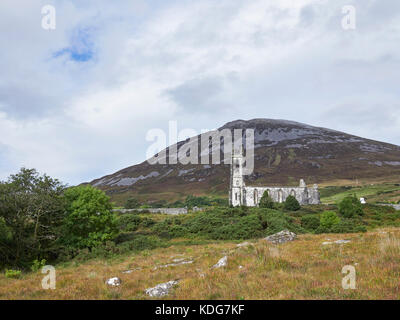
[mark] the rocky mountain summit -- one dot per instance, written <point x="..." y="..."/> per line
<point x="285" y="151"/>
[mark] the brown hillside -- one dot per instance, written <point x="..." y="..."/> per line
<point x="285" y="151"/>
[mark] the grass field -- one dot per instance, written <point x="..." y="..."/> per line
<point x="302" y="269"/>
<point x="374" y="193"/>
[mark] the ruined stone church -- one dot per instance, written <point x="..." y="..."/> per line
<point x="240" y="194"/>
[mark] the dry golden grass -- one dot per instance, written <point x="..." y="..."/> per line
<point x="302" y="269"/>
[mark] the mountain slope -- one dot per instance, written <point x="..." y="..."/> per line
<point x="285" y="151"/>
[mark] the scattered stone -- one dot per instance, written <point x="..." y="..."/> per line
<point x="221" y="263"/>
<point x="161" y="289"/>
<point x="127" y="271"/>
<point x="281" y="237"/>
<point x="114" y="282"/>
<point x="177" y="262"/>
<point x="337" y="242"/>
<point x="342" y="241"/>
<point x="131" y="270"/>
<point x="362" y="200"/>
<point x="240" y="267"/>
<point x="243" y="244"/>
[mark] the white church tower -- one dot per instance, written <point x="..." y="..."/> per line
<point x="236" y="183"/>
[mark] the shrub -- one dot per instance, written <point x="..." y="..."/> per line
<point x="266" y="201"/>
<point x="12" y="273"/>
<point x="128" y="222"/>
<point x="193" y="201"/>
<point x="147" y="222"/>
<point x="245" y="228"/>
<point x="310" y="222"/>
<point x="327" y="220"/>
<point x="291" y="204"/>
<point x="350" y="206"/>
<point x="132" y="203"/>
<point x="275" y="221"/>
<point x="347" y="226"/>
<point x="37" y="265"/>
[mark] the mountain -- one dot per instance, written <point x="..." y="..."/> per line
<point x="285" y="151"/>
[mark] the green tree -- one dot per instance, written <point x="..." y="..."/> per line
<point x="292" y="204"/>
<point x="32" y="210"/>
<point x="132" y="203"/>
<point x="90" y="220"/>
<point x="266" y="201"/>
<point x="328" y="220"/>
<point x="350" y="206"/>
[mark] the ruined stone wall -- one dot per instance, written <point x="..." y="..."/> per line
<point x="252" y="195"/>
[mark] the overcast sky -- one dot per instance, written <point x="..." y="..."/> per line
<point x="76" y="102"/>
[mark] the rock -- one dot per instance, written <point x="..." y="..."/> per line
<point x="161" y="289"/>
<point x="221" y="263"/>
<point x="337" y="242"/>
<point x="281" y="237"/>
<point x="243" y="244"/>
<point x="114" y="282"/>
<point x="177" y="262"/>
<point x="127" y="271"/>
<point x="240" y="267"/>
<point x="342" y="241"/>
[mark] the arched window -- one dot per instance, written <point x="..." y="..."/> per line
<point x="280" y="196"/>
<point x="255" y="197"/>
<point x="293" y="193"/>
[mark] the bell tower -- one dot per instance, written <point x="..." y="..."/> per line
<point x="236" y="183"/>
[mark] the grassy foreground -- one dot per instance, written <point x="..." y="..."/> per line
<point x="302" y="269"/>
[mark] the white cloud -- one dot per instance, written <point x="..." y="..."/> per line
<point x="203" y="64"/>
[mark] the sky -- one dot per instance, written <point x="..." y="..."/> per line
<point x="77" y="101"/>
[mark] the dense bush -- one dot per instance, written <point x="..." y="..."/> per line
<point x="15" y="274"/>
<point x="244" y="228"/>
<point x="310" y="222"/>
<point x="347" y="226"/>
<point x="146" y="222"/>
<point x="350" y="206"/>
<point x="128" y="222"/>
<point x="132" y="203"/>
<point x="266" y="201"/>
<point x="292" y="204"/>
<point x="89" y="221"/>
<point x="274" y="221"/>
<point x="327" y="221"/>
<point x="193" y="201"/>
<point x="227" y="224"/>
<point x="38" y="264"/>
